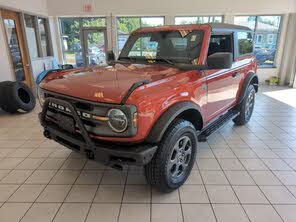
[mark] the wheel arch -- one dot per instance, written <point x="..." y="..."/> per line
<point x="252" y="79"/>
<point x="182" y="110"/>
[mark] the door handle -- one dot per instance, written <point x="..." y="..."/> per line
<point x="235" y="74"/>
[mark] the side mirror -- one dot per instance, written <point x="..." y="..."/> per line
<point x="220" y="60"/>
<point x="67" y="66"/>
<point x="110" y="57"/>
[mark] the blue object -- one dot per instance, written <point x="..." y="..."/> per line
<point x="43" y="74"/>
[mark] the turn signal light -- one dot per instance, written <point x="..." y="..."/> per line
<point x="100" y="118"/>
<point x="135" y="120"/>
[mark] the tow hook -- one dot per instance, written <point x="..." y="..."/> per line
<point x="46" y="133"/>
<point x="90" y="155"/>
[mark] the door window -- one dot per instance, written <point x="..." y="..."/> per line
<point x="220" y="43"/>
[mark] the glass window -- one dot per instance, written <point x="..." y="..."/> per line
<point x="267" y="30"/>
<point x="198" y="20"/>
<point x="245" y="43"/>
<point x="259" y="38"/>
<point x="248" y="21"/>
<point x="31" y="33"/>
<point x="70" y="37"/>
<point x="125" y="25"/>
<point x="163" y="47"/>
<point x="152" y="21"/>
<point x="44" y="36"/>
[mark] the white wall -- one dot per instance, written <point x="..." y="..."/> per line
<point x="169" y="7"/>
<point x="34" y="6"/>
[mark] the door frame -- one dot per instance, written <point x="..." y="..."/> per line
<point x="17" y="17"/>
<point x="84" y="40"/>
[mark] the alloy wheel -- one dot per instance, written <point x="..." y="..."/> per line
<point x="180" y="158"/>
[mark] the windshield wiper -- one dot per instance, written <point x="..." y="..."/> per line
<point x="128" y="58"/>
<point x="169" y="61"/>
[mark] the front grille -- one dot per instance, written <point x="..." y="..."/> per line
<point x="86" y="109"/>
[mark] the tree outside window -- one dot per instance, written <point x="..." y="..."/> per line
<point x="125" y="25"/>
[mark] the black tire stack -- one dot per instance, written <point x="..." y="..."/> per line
<point x="16" y="96"/>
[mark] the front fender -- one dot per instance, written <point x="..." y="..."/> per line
<point x="164" y="121"/>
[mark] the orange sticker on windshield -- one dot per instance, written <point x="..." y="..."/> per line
<point x="195" y="61"/>
<point x="184" y="32"/>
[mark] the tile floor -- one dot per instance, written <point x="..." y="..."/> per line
<point x="243" y="173"/>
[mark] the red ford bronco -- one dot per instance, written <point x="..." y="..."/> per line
<point x="170" y="87"/>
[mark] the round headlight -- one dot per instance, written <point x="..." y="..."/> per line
<point x="117" y="120"/>
<point x="40" y="96"/>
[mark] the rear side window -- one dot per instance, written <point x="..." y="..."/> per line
<point x="245" y="43"/>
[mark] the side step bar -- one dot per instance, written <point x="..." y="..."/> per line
<point x="217" y="124"/>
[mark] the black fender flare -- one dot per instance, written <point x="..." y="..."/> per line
<point x="165" y="120"/>
<point x="251" y="78"/>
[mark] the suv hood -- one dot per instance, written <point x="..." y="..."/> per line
<point x="104" y="84"/>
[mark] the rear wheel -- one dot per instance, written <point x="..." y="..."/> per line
<point x="175" y="157"/>
<point x="246" y="107"/>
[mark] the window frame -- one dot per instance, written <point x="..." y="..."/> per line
<point x="279" y="33"/>
<point x="259" y="35"/>
<point x="199" y="16"/>
<point x="48" y="37"/>
<point x="38" y="36"/>
<point x="81" y="27"/>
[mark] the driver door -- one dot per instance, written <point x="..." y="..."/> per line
<point x="221" y="83"/>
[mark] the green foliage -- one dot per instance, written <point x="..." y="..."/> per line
<point x="93" y="22"/>
<point x="128" y="24"/>
<point x="245" y="46"/>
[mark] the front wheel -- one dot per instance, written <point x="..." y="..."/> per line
<point x="246" y="107"/>
<point x="175" y="157"/>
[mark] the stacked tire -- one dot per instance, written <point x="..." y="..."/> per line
<point x="16" y="97"/>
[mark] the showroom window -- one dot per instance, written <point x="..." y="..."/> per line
<point x="267" y="32"/>
<point x="71" y="36"/>
<point x="198" y="20"/>
<point x="44" y="37"/>
<point x="125" y="25"/>
<point x="38" y="36"/>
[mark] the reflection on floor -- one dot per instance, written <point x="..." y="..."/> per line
<point x="243" y="173"/>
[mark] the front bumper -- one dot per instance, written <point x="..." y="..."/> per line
<point x="105" y="152"/>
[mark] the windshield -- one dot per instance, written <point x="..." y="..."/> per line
<point x="165" y="47"/>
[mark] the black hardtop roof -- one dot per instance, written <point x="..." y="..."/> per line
<point x="227" y="27"/>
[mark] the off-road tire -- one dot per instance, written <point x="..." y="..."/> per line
<point x="15" y="96"/>
<point x="245" y="108"/>
<point x="156" y="171"/>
